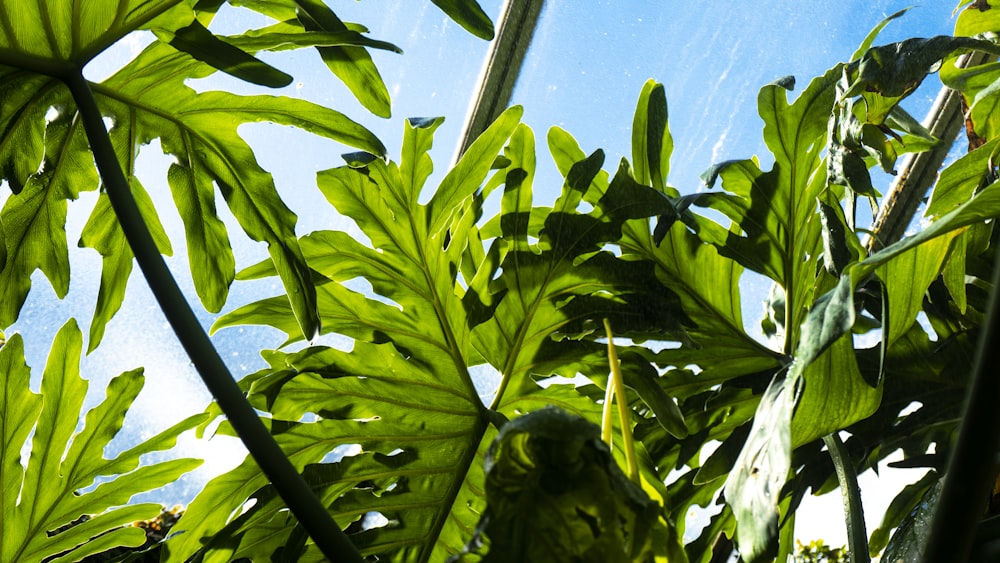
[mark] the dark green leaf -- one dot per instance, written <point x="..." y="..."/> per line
<point x="902" y="505"/>
<point x="907" y="542"/>
<point x="555" y="493"/>
<point x="197" y="41"/>
<point x="754" y="486"/>
<point x="468" y="14"/>
<point x="897" y="69"/>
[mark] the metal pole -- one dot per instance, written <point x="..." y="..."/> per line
<point x="920" y="170"/>
<point x="516" y="26"/>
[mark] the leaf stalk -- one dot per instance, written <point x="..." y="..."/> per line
<point x="304" y="504"/>
<point x="616" y="390"/>
<point x="847" y="476"/>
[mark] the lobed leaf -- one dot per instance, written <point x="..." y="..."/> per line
<point x="145" y="100"/>
<point x="67" y="475"/>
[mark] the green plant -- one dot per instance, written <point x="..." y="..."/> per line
<point x="53" y="131"/>
<point x="529" y="303"/>
<point x="818" y="552"/>
<point x="391" y="436"/>
<point x="66" y="475"/>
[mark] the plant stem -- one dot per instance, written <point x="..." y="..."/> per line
<point x="303" y="503"/>
<point x="606" y="422"/>
<point x="616" y="387"/>
<point x="973" y="463"/>
<point x="857" y="536"/>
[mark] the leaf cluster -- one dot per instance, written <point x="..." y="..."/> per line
<point x="394" y="433"/>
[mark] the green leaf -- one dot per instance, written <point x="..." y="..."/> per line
<point x="975" y="21"/>
<point x="468" y="14"/>
<point x="902" y="505"/>
<point x="907" y="542"/>
<point x="982" y="206"/>
<point x="753" y="488"/>
<point x="471" y="170"/>
<point x="775" y="209"/>
<point x="104" y="234"/>
<point x="63" y="466"/>
<point x="147" y="99"/>
<point x="197" y="41"/>
<point x="34" y="220"/>
<point x="352" y="65"/>
<point x="590" y="512"/>
<point x="652" y="143"/>
<point x="56" y="37"/>
<point x="705" y="282"/>
<point x="831" y="317"/>
<point x="896" y="69"/>
<point x="962" y="179"/>
<point x="907" y="278"/>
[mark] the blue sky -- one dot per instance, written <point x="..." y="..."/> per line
<point x="582" y="73"/>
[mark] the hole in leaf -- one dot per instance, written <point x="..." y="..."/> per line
<point x="373" y="520"/>
<point x="342" y="451"/>
<point x="364" y="287"/>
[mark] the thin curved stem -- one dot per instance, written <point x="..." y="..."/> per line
<point x="616" y="390"/>
<point x="303" y="503"/>
<point x="847" y="476"/>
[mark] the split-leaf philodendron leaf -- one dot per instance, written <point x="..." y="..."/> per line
<point x="147" y="99"/>
<point x="66" y="475"/>
<point x="515" y="293"/>
<point x="44" y="153"/>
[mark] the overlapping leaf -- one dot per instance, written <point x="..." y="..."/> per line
<point x="526" y="276"/>
<point x="706" y="282"/>
<point x="43" y="149"/>
<point x="408" y="377"/>
<point x="67" y="476"/>
<point x="146" y="100"/>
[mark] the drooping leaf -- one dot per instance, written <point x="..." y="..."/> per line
<point x="896" y="69"/>
<point x="753" y="488"/>
<point x="196" y="40"/>
<point x="67" y="475"/>
<point x="468" y="14"/>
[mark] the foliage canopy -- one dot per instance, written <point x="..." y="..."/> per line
<point x="393" y="436"/>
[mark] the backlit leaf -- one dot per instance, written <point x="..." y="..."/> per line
<point x="67" y="475"/>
